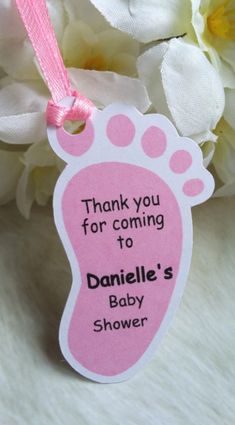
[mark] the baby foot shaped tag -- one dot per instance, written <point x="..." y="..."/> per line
<point x="122" y="209"/>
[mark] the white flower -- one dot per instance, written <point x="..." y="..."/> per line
<point x="183" y="85"/>
<point x="214" y="25"/>
<point x="108" y="50"/>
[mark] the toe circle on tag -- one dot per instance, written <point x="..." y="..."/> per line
<point x="180" y="161"/>
<point x="120" y="130"/>
<point x="154" y="142"/>
<point x="193" y="187"/>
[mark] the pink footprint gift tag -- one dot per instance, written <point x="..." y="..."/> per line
<point x="123" y="211"/>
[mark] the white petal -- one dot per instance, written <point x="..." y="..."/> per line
<point x="22" y="109"/>
<point x="226" y="190"/>
<point x="25" y="193"/>
<point x="39" y="155"/>
<point x="10" y="170"/>
<point x="149" y="69"/>
<point x="147" y="20"/>
<point x="107" y="50"/>
<point x="229" y="111"/>
<point x="225" y="70"/>
<point x="104" y="88"/>
<point x="112" y="42"/>
<point x="198" y="23"/>
<point x="38" y="178"/>
<point x="57" y="15"/>
<point x="2" y="74"/>
<point x="5" y="81"/>
<point x="78" y="41"/>
<point x="86" y="12"/>
<point x="45" y="180"/>
<point x="23" y="128"/>
<point x="191" y="88"/>
<point x="16" y="52"/>
<point x="216" y="48"/>
<point x="208" y="150"/>
<point x="17" y="59"/>
<point x="207" y="136"/>
<point x="226" y="49"/>
<point x="224" y="157"/>
<point x="11" y="25"/>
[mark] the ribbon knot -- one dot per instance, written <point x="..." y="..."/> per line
<point x="81" y="109"/>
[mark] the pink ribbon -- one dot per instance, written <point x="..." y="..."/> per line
<point x="34" y="15"/>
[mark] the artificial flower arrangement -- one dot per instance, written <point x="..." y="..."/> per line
<point x="175" y="57"/>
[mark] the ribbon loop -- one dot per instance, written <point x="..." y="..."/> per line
<point x="37" y="22"/>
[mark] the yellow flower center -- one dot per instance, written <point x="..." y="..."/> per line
<point x="221" y="22"/>
<point x="96" y="62"/>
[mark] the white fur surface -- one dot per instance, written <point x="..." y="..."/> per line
<point x="190" y="380"/>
